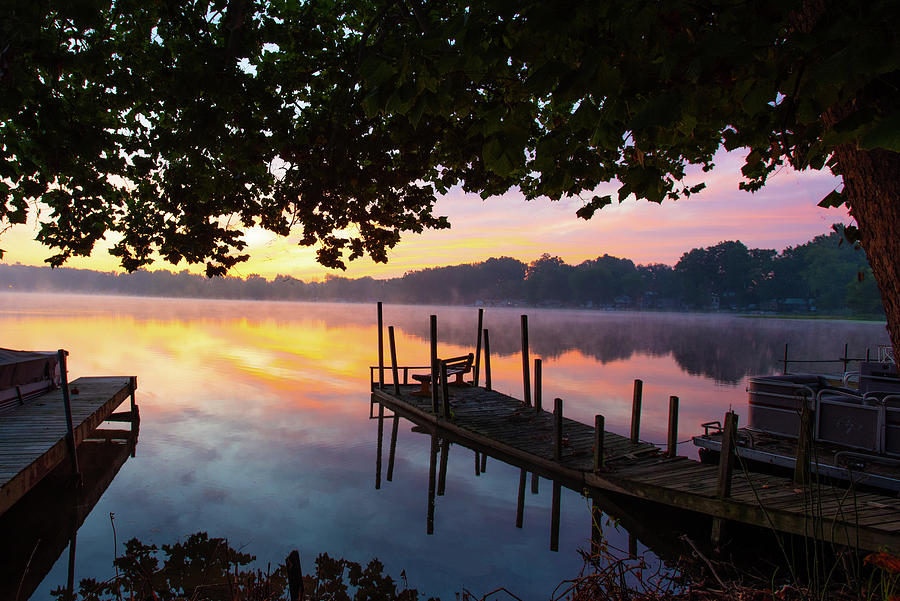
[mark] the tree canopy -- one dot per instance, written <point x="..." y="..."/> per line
<point x="177" y="125"/>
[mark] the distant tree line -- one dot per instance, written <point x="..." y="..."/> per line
<point x="823" y="275"/>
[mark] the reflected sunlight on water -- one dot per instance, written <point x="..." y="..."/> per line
<point x="255" y="423"/>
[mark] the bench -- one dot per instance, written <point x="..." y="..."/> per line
<point x="457" y="366"/>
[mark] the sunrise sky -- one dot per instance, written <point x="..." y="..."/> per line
<point x="784" y="213"/>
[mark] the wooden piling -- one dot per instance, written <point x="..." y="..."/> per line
<point x="526" y="368"/>
<point x="784" y="369"/>
<point x="395" y="374"/>
<point x="599" y="431"/>
<point x="804" y="443"/>
<point x="557" y="428"/>
<point x="67" y="404"/>
<point x="380" y="348"/>
<point x="393" y="448"/>
<point x="442" y="470"/>
<point x="537" y="386"/>
<point x="432" y="477"/>
<point x="484" y="462"/>
<point x="434" y="365"/>
<point x="477" y="463"/>
<point x="726" y="456"/>
<point x="636" y="410"/>
<point x="477" y="370"/>
<point x="487" y="360"/>
<point x="672" y="439"/>
<point x="445" y="392"/>
<point x="535" y="483"/>
<point x="554" y="518"/>
<point x="520" y="504"/>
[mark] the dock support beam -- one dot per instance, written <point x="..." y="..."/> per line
<point x="537" y="386"/>
<point x="726" y="468"/>
<point x="394" y="373"/>
<point x="520" y="504"/>
<point x="554" y="518"/>
<point x="445" y="392"/>
<point x="802" y="462"/>
<point x="557" y="427"/>
<point x="477" y="372"/>
<point x="67" y="403"/>
<point x="599" y="431"/>
<point x="380" y="349"/>
<point x="672" y="446"/>
<point x="636" y="410"/>
<point x="434" y="366"/>
<point x="526" y="368"/>
<point x="487" y="360"/>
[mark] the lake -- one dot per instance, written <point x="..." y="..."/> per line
<point x="255" y="424"/>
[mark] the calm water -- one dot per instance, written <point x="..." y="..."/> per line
<point x="255" y="424"/>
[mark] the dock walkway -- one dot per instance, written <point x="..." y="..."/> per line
<point x="506" y="426"/>
<point x="33" y="437"/>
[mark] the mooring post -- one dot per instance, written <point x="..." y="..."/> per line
<point x="379" y="446"/>
<point x="537" y="386"/>
<point x="804" y="438"/>
<point x="784" y="369"/>
<point x="487" y="360"/>
<point x="672" y="449"/>
<point x="477" y="463"/>
<point x="726" y="456"/>
<point x="483" y="463"/>
<point x="67" y="404"/>
<point x="846" y="359"/>
<point x="636" y="410"/>
<point x="477" y="371"/>
<point x="393" y="451"/>
<point x="557" y="427"/>
<point x="395" y="374"/>
<point x="526" y="368"/>
<point x="599" y="431"/>
<point x="295" y="576"/>
<point x="380" y="349"/>
<point x="445" y="392"/>
<point x="554" y="518"/>
<point x="520" y="504"/>
<point x="434" y="366"/>
<point x="535" y="483"/>
<point x="132" y="384"/>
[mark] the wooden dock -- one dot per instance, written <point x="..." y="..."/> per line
<point x="33" y="438"/>
<point x="509" y="428"/>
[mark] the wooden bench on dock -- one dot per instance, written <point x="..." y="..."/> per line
<point x="456" y="366"/>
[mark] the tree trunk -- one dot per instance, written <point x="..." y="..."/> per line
<point x="872" y="190"/>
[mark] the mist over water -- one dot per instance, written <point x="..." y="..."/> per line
<point x="255" y="423"/>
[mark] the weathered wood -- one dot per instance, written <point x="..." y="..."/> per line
<point x="557" y="428"/>
<point x="599" y="431"/>
<point x="726" y="457"/>
<point x="395" y="374"/>
<point x="537" y="386"/>
<point x="393" y="448"/>
<point x="535" y="483"/>
<point x="67" y="404"/>
<point x="477" y="372"/>
<point x="487" y="361"/>
<point x="432" y="477"/>
<point x="636" y="410"/>
<point x="526" y="376"/>
<point x="445" y="392"/>
<point x="378" y="446"/>
<point x="434" y="362"/>
<point x="380" y="348"/>
<point x="672" y="439"/>
<point x="804" y="443"/>
<point x="442" y="470"/>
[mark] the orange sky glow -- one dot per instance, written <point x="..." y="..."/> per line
<point x="784" y="213"/>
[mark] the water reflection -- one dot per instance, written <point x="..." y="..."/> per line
<point x="255" y="425"/>
<point x="45" y="522"/>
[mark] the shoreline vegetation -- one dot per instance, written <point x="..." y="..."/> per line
<point x="823" y="278"/>
<point x="204" y="568"/>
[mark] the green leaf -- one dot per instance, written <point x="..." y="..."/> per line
<point x="833" y="200"/>
<point x="884" y="133"/>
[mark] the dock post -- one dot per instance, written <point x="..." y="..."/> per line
<point x="477" y="463"/>
<point x="432" y="468"/>
<point x="554" y="518"/>
<point x="434" y="366"/>
<point x="784" y="369"/>
<point x="672" y="449"/>
<point x="395" y="374"/>
<point x="726" y="464"/>
<point x="487" y="360"/>
<point x="557" y="428"/>
<point x="846" y="359"/>
<point x="596" y="527"/>
<point x="477" y="372"/>
<point x="380" y="349"/>
<point x="445" y="392"/>
<point x="599" y="431"/>
<point x="636" y="410"/>
<point x="379" y="446"/>
<point x="484" y="463"/>
<point x="393" y="450"/>
<point x="535" y="483"/>
<point x="537" y="386"/>
<point x="804" y="438"/>
<point x="67" y="404"/>
<point x="726" y="456"/>
<point x="520" y="504"/>
<point x="132" y="384"/>
<point x="526" y="368"/>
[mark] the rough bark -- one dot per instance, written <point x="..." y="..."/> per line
<point x="872" y="190"/>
